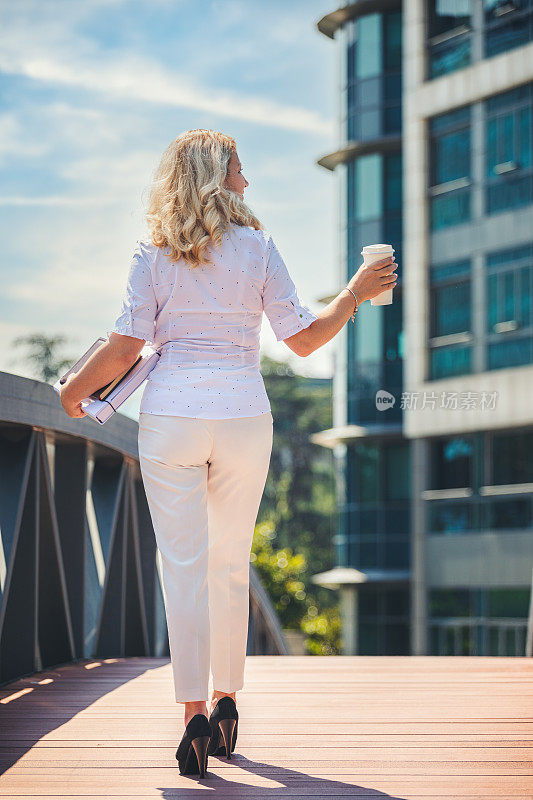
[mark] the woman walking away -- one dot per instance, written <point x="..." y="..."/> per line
<point x="197" y="289"/>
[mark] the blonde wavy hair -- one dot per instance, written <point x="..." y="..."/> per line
<point x="188" y="208"/>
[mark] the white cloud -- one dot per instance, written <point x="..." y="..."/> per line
<point x="49" y="49"/>
<point x="73" y="262"/>
<point x="15" y="140"/>
<point x="135" y="79"/>
<point x="57" y="200"/>
<point x="83" y="268"/>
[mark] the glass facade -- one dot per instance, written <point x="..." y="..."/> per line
<point x="480" y="318"/>
<point x="374" y="515"/>
<point x="509" y="147"/>
<point x="452" y="462"/>
<point x="450" y="168"/>
<point x="375" y="520"/>
<point x="383" y="621"/>
<point x="453" y="27"/>
<point x="374" y="204"/>
<point x="507" y="24"/>
<point x="450" y="316"/>
<point x="448" y="29"/>
<point x="374" y="214"/>
<point x="478" y="622"/>
<point x="445" y="362"/>
<point x="375" y="535"/>
<point x="476" y="462"/>
<point x="373" y="76"/>
<point x="503" y="131"/>
<point x="512" y="457"/>
<point x="451" y="312"/>
<point x="374" y="363"/>
<point x="509" y="312"/>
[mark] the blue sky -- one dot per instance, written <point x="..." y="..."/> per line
<point x="92" y="93"/>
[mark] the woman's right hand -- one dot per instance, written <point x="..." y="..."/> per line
<point x="370" y="281"/>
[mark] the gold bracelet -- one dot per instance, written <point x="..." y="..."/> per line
<point x="356" y="309"/>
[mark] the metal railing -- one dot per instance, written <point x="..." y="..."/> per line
<point x="80" y="573"/>
<point x="478" y="636"/>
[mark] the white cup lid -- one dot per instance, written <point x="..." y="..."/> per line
<point x="377" y="248"/>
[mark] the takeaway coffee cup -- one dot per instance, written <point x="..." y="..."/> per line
<point x="377" y="252"/>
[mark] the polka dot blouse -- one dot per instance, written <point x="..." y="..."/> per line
<point x="207" y="320"/>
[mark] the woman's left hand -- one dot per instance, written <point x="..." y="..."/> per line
<point x="71" y="405"/>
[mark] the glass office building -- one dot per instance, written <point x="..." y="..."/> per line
<point x="435" y="546"/>
<point x="372" y="457"/>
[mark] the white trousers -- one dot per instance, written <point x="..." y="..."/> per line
<point x="204" y="480"/>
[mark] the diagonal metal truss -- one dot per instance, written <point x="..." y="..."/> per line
<point x="80" y="573"/>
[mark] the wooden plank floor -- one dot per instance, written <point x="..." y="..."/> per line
<point x="321" y="727"/>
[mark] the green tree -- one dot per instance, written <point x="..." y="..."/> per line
<point x="300" y="492"/>
<point x="42" y="353"/>
<point x="323" y="629"/>
<point x="299" y="507"/>
<point x="282" y="573"/>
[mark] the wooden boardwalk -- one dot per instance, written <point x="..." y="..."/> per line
<point x="310" y="727"/>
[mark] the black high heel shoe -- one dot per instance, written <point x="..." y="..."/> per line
<point x="224" y="720"/>
<point x="192" y="750"/>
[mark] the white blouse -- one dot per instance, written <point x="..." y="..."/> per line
<point x="206" y="320"/>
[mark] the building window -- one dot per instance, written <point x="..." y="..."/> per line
<point x="374" y="214"/>
<point x="393" y="203"/>
<point x="450" y="168"/>
<point x="450" y="360"/>
<point x="478" y="622"/>
<point x="483" y="502"/>
<point x="512" y="457"/>
<point x="393" y="41"/>
<point x="393" y="347"/>
<point x="374" y="205"/>
<point x="368" y="187"/>
<point x="367" y="480"/>
<point x="507" y="602"/>
<point x="392" y="76"/>
<point x="446" y="516"/>
<point x="508" y="24"/>
<point x="449" y="30"/>
<point x="509" y="463"/>
<point x="383" y="617"/>
<point x="452" y="462"/>
<point x="512" y="353"/>
<point x="450" y="319"/>
<point x="369" y="46"/>
<point x="509" y="513"/>
<point x="397" y="471"/>
<point x="451" y="308"/>
<point x="509" y="308"/>
<point x="449" y="603"/>
<point x="509" y="145"/>
<point x="375" y="362"/>
<point x="373" y="76"/>
<point x="505" y="24"/>
<point x="377" y="515"/>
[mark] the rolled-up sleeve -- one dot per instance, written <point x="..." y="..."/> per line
<point x="139" y="304"/>
<point x="286" y="313"/>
